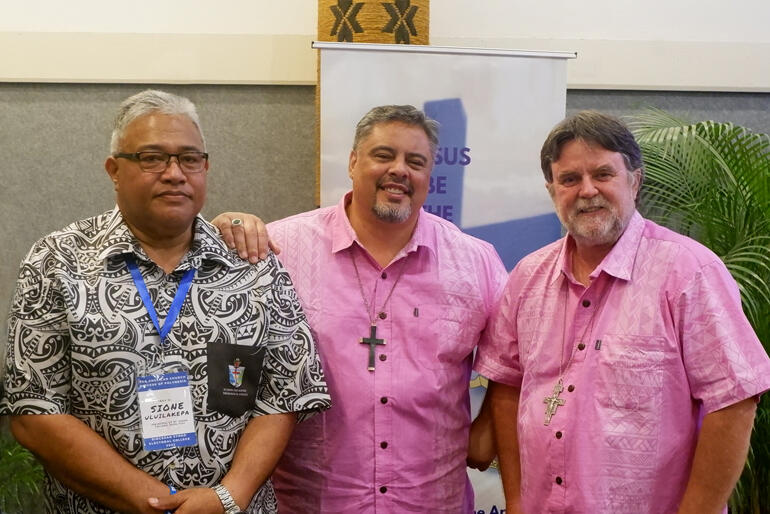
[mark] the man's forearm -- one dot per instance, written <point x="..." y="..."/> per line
<point x="720" y="455"/>
<point x="504" y="403"/>
<point x="481" y="443"/>
<point x="84" y="462"/>
<point x="259" y="450"/>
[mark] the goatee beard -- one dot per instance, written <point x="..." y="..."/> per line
<point x="392" y="214"/>
<point x="606" y="232"/>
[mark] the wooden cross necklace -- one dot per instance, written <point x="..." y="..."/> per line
<point x="553" y="401"/>
<point x="372" y="339"/>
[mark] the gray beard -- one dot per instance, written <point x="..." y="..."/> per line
<point x="607" y="233"/>
<point x="392" y="214"/>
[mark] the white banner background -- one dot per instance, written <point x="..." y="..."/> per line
<point x="497" y="106"/>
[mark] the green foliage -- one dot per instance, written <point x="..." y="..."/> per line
<point x="711" y="181"/>
<point x="20" y="477"/>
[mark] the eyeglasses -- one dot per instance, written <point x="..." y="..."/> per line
<point x="157" y="162"/>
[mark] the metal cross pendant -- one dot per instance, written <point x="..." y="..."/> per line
<point x="372" y="341"/>
<point x="553" y="402"/>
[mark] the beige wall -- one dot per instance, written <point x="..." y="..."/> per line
<point x="697" y="45"/>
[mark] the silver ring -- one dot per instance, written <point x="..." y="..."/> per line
<point x="236" y="222"/>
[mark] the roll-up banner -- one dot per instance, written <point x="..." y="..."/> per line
<point x="495" y="108"/>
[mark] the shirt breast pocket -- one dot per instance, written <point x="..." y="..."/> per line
<point x="450" y="335"/>
<point x="631" y="371"/>
<point x="234" y="373"/>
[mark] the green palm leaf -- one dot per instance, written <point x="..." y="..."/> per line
<point x="20" y="476"/>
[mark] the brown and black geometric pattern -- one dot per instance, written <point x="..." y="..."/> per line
<point x="367" y="21"/>
<point x="401" y="22"/>
<point x="345" y="22"/>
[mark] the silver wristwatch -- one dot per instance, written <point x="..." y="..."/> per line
<point x="227" y="500"/>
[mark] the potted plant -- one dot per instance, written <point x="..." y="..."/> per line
<point x="20" y="476"/>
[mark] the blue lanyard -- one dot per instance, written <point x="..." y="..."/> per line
<point x="176" y="304"/>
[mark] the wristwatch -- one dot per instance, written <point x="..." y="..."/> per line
<point x="227" y="500"/>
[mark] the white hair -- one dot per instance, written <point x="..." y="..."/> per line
<point x="147" y="102"/>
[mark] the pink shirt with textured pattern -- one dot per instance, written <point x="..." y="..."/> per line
<point x="655" y="342"/>
<point x="395" y="439"/>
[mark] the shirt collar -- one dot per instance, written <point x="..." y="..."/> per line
<point x="619" y="262"/>
<point x="117" y="239"/>
<point x="423" y="236"/>
<point x="343" y="235"/>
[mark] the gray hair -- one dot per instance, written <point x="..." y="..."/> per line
<point x="592" y="127"/>
<point x="148" y="102"/>
<point x="407" y="114"/>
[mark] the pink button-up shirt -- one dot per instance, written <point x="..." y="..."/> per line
<point x="655" y="342"/>
<point x="395" y="439"/>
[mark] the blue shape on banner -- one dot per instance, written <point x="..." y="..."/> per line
<point x="517" y="238"/>
<point x="445" y="196"/>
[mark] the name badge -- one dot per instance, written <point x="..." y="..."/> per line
<point x="165" y="404"/>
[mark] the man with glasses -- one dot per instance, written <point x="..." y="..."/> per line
<point x="149" y="368"/>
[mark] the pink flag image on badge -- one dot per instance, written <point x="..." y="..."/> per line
<point x="235" y="373"/>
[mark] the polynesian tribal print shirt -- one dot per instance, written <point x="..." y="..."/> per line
<point x="78" y="333"/>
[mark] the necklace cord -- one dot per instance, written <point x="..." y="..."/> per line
<point x="370" y="305"/>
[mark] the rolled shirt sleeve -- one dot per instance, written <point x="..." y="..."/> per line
<point x="293" y="379"/>
<point x="498" y="357"/>
<point x="724" y="360"/>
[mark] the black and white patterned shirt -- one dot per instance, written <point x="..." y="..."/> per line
<point x="79" y="334"/>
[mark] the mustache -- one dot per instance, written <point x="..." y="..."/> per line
<point x="597" y="201"/>
<point x="403" y="181"/>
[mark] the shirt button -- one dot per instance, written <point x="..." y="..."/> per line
<point x="559" y="480"/>
<point x="581" y="346"/>
<point x="558" y="435"/>
<point x="586" y="303"/>
<point x="384" y="275"/>
<point x="383" y="357"/>
<point x="570" y="388"/>
<point x="383" y="315"/>
<point x="384" y="399"/>
<point x="383" y="489"/>
<point x="384" y="445"/>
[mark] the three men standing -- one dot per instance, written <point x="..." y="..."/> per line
<point x="624" y="371"/>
